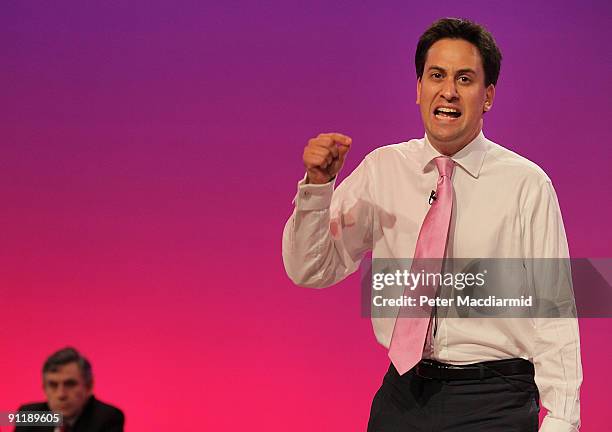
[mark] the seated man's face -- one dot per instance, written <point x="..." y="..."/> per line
<point x="66" y="390"/>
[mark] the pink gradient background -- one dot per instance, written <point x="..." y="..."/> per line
<point x="149" y="156"/>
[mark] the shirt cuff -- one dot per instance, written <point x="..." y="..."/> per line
<point x="551" y="424"/>
<point x="313" y="196"/>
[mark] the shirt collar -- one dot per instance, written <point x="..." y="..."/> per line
<point x="470" y="157"/>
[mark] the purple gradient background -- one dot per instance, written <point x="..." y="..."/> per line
<point x="149" y="156"/>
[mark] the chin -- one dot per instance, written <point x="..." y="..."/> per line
<point x="70" y="416"/>
<point x="445" y="138"/>
<point x="66" y="413"/>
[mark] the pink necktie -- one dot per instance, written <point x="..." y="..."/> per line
<point x="409" y="334"/>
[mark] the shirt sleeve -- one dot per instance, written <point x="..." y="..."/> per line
<point x="556" y="342"/>
<point x="330" y="230"/>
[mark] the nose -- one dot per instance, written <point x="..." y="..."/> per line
<point x="449" y="89"/>
<point x="61" y="393"/>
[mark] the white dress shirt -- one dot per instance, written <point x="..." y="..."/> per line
<point x="505" y="207"/>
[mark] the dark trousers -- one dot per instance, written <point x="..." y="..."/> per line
<point x="412" y="403"/>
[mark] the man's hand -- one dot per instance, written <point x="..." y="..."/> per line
<point x="324" y="156"/>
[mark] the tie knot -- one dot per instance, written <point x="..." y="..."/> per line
<point x="445" y="166"/>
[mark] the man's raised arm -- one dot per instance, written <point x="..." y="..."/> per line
<point x="329" y="231"/>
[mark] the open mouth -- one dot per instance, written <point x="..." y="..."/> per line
<point x="447" y="113"/>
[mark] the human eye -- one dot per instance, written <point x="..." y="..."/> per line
<point x="464" y="79"/>
<point x="436" y="75"/>
<point x="70" y="383"/>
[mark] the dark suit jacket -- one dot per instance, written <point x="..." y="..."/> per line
<point x="96" y="417"/>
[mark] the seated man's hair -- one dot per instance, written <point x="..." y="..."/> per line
<point x="65" y="356"/>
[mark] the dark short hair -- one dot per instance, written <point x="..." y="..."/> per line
<point x="456" y="28"/>
<point x="65" y="356"/>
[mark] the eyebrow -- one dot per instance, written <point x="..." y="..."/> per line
<point x="459" y="72"/>
<point x="56" y="382"/>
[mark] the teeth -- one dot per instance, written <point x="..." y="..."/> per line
<point x="448" y="110"/>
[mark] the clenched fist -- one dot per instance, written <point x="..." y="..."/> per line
<point x="324" y="156"/>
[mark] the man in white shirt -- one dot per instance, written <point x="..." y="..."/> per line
<point x="475" y="374"/>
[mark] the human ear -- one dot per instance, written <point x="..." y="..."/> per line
<point x="489" y="97"/>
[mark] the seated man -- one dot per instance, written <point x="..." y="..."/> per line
<point x="68" y="385"/>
